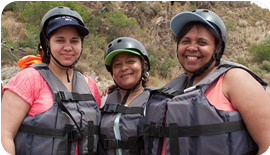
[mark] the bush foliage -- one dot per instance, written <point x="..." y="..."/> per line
<point x="261" y="51"/>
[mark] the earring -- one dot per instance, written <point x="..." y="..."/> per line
<point x="146" y="75"/>
<point x="48" y="53"/>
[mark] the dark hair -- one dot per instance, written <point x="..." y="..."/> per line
<point x="190" y="25"/>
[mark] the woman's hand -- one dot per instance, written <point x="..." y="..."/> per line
<point x="109" y="89"/>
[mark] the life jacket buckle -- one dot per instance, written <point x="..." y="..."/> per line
<point x="65" y="96"/>
<point x="110" y="107"/>
<point x="156" y="131"/>
<point x="110" y="143"/>
<point x="74" y="135"/>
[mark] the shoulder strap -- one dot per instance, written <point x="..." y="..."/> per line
<point x="119" y="108"/>
<point x="228" y="64"/>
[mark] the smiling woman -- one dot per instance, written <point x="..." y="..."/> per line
<point x="127" y="61"/>
<point x="53" y="95"/>
<point x="218" y="106"/>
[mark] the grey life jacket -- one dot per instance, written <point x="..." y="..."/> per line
<point x="190" y="124"/>
<point x="73" y="118"/>
<point x="121" y="126"/>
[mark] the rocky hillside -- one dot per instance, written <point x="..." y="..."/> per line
<point x="148" y="22"/>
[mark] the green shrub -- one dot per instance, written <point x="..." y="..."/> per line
<point x="165" y="67"/>
<point x="230" y="25"/>
<point x="261" y="51"/>
<point x="119" y="19"/>
<point x="266" y="65"/>
<point x="39" y="8"/>
<point x="242" y="61"/>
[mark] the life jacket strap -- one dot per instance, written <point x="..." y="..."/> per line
<point x="190" y="131"/>
<point x="170" y="92"/>
<point x="68" y="135"/>
<point x="45" y="132"/>
<point x="71" y="96"/>
<point x="118" y="108"/>
<point x="173" y="131"/>
<point x="134" y="144"/>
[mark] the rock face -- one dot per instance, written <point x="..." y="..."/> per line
<point x="8" y="72"/>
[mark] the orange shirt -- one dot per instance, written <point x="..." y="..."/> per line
<point x="216" y="97"/>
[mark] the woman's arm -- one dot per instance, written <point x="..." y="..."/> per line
<point x="251" y="100"/>
<point x="13" y="111"/>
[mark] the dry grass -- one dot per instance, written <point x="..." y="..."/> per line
<point x="12" y="29"/>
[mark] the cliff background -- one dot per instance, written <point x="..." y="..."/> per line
<point x="248" y="31"/>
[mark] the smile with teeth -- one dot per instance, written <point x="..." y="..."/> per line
<point x="126" y="75"/>
<point x="192" y="57"/>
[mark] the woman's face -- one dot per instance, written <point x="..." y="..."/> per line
<point x="65" y="44"/>
<point x="126" y="68"/>
<point x="196" y="48"/>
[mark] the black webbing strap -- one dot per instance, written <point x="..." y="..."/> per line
<point x="68" y="135"/>
<point x="134" y="144"/>
<point x="91" y="131"/>
<point x="199" y="130"/>
<point x="173" y="134"/>
<point x="45" y="132"/>
<point x="170" y="92"/>
<point x="119" y="108"/>
<point x="68" y="96"/>
<point x="61" y="96"/>
<point x="151" y="140"/>
<point x="71" y="96"/>
<point x="64" y="147"/>
<point x="253" y="152"/>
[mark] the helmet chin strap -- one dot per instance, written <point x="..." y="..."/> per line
<point x="65" y="66"/>
<point x="131" y="89"/>
<point x="205" y="67"/>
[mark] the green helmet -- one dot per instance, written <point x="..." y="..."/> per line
<point x="125" y="44"/>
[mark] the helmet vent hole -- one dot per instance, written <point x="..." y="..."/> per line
<point x="110" y="45"/>
<point x="118" y="41"/>
<point x="205" y="11"/>
<point x="194" y="11"/>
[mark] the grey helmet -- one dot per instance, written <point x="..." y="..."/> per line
<point x="125" y="44"/>
<point x="201" y="15"/>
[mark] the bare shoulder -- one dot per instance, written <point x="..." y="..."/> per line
<point x="237" y="73"/>
<point x="239" y="85"/>
<point x="238" y="76"/>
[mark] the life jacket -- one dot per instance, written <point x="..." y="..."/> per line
<point x="29" y="60"/>
<point x="73" y="118"/>
<point x="190" y="124"/>
<point x="120" y="128"/>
